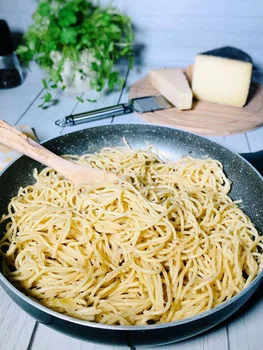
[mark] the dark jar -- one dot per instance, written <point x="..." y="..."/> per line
<point x="10" y="70"/>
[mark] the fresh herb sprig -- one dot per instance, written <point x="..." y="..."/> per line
<point x="72" y="26"/>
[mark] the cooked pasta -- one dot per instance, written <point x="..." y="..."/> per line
<point x="163" y="244"/>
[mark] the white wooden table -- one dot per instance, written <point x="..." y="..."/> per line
<point x="20" y="106"/>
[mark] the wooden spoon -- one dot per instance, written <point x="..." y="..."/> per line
<point x="78" y="174"/>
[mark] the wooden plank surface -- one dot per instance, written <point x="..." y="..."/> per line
<point x="14" y="103"/>
<point x="16" y="326"/>
<point x="172" y="32"/>
<point x="48" y="339"/>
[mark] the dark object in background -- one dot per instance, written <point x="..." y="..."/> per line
<point x="10" y="70"/>
<point x="229" y="52"/>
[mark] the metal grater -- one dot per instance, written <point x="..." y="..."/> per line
<point x="140" y="105"/>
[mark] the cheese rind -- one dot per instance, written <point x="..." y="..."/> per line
<point x="221" y="80"/>
<point x="173" y="85"/>
<point x="229" y="52"/>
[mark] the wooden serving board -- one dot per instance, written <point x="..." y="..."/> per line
<point x="206" y="118"/>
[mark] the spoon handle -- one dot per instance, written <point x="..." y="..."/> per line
<point x="77" y="174"/>
<point x="21" y="143"/>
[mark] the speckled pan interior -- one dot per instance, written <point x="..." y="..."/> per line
<point x="246" y="182"/>
<point x="247" y="185"/>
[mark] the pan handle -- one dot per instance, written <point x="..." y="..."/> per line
<point x="256" y="159"/>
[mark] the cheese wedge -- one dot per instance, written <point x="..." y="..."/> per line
<point x="173" y="85"/>
<point x="222" y="76"/>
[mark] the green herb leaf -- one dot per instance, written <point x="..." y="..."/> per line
<point x="113" y="79"/>
<point x="66" y="17"/>
<point x="80" y="99"/>
<point x="44" y="82"/>
<point x="47" y="97"/>
<point x="92" y="101"/>
<point x="44" y="9"/>
<point x="21" y="49"/>
<point x="68" y="36"/>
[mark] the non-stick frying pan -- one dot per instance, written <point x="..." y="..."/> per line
<point x="247" y="185"/>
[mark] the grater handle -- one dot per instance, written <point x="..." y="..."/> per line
<point x="98" y="114"/>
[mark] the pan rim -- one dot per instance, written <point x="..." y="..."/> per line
<point x="135" y="328"/>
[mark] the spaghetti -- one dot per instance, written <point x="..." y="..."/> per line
<point x="163" y="244"/>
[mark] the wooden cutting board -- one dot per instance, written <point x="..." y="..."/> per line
<point x="206" y="118"/>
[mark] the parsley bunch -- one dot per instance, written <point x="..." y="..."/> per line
<point x="72" y="26"/>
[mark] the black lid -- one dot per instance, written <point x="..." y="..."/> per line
<point x="6" y="42"/>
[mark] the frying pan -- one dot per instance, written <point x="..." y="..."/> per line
<point x="247" y="185"/>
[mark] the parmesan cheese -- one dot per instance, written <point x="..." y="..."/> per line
<point x="221" y="80"/>
<point x="173" y="85"/>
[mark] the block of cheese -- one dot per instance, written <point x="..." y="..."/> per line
<point x="222" y="76"/>
<point x="173" y="85"/>
<point x="189" y="73"/>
